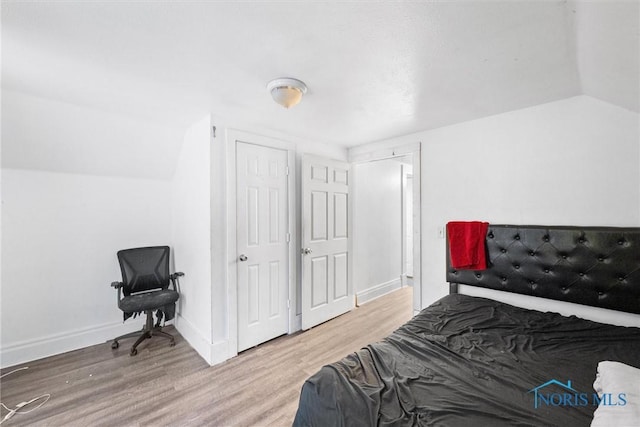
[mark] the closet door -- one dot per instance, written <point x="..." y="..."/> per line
<point x="262" y="243"/>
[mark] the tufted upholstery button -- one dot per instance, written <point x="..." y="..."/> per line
<point x="525" y="259"/>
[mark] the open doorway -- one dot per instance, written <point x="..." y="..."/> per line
<point x="386" y="232"/>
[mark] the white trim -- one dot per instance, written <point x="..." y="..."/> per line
<point x="403" y="219"/>
<point x="26" y="351"/>
<point x="220" y="351"/>
<point x="196" y="339"/>
<point x="230" y="265"/>
<point x="379" y="151"/>
<point x="417" y="229"/>
<point x="212" y="353"/>
<point x="234" y="136"/>
<point x="295" y="322"/>
<point x="377" y="291"/>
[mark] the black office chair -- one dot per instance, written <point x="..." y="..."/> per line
<point x="145" y="284"/>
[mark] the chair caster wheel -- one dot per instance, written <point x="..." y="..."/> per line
<point x="133" y="352"/>
<point x="115" y="345"/>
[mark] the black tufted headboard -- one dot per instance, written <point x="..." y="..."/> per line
<point x="596" y="266"/>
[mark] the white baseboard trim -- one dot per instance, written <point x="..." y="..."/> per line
<point x="377" y="291"/>
<point x="29" y="350"/>
<point x="212" y="353"/>
<point x="195" y="338"/>
<point x="297" y="324"/>
<point x="220" y="351"/>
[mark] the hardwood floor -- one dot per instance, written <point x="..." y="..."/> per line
<point x="163" y="385"/>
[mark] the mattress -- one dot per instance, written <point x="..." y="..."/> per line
<point x="469" y="361"/>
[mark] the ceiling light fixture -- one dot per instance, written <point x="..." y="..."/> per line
<point x="287" y="91"/>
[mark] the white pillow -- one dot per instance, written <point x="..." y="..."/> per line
<point x="620" y="406"/>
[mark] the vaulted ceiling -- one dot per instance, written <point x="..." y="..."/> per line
<point x="374" y="69"/>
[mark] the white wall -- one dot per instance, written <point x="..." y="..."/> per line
<point x="60" y="235"/>
<point x="570" y="162"/>
<point x="191" y="236"/>
<point x="575" y="161"/>
<point x="377" y="228"/>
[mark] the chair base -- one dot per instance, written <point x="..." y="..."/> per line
<point x="148" y="331"/>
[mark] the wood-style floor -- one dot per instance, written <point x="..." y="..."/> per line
<point x="163" y="385"/>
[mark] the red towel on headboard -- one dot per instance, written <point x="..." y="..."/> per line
<point x="467" y="243"/>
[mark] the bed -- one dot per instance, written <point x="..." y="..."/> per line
<point x="470" y="361"/>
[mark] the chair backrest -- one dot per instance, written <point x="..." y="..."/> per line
<point x="144" y="269"/>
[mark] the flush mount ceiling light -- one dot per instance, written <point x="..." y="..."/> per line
<point x="287" y="91"/>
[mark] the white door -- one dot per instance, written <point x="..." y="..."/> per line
<point x="326" y="288"/>
<point x="262" y="223"/>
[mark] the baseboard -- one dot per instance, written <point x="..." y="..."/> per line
<point x="27" y="351"/>
<point x="196" y="339"/>
<point x="377" y="291"/>
<point x="212" y="353"/>
<point x="220" y="352"/>
<point x="296" y="324"/>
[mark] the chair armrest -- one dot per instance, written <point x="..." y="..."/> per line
<point x="174" y="279"/>
<point x="118" y="286"/>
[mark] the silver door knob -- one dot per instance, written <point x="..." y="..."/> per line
<point x="242" y="258"/>
<point x="306" y="251"/>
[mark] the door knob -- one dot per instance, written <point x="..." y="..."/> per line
<point x="306" y="251"/>
<point x="242" y="257"/>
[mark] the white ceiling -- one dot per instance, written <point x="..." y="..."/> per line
<point x="374" y="69"/>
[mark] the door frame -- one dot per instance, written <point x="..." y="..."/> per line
<point x="232" y="138"/>
<point x="406" y="176"/>
<point x="389" y="150"/>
